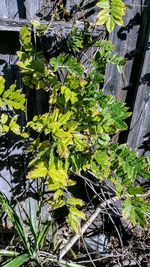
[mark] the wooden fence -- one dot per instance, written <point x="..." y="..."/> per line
<point x="132" y="86"/>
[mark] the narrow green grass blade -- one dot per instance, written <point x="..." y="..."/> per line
<point x="42" y="235"/>
<point x="17" y="261"/>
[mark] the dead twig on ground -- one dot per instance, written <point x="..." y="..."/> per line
<point x="75" y="238"/>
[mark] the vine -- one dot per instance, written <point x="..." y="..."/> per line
<point x="76" y="134"/>
<point x="78" y="129"/>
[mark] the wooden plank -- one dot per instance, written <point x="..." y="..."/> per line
<point x="32" y="7"/>
<point x="9" y="9"/>
<point x="12" y="7"/>
<point x="3" y="9"/>
<point x="16" y="25"/>
<point x="125" y="39"/>
<point x="46" y="9"/>
<point x="139" y="134"/>
<point x="85" y="10"/>
<point x="12" y="25"/>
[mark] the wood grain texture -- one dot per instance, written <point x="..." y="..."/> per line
<point x="9" y="9"/>
<point x="139" y="134"/>
<point x="3" y="9"/>
<point x="16" y="25"/>
<point x="82" y="10"/>
<point x="125" y="39"/>
<point x="12" y="25"/>
<point x="32" y="8"/>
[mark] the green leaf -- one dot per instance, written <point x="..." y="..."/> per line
<point x="96" y="170"/>
<point x="40" y="170"/>
<point x="60" y="176"/>
<point x="110" y="24"/>
<point x="73" y="218"/>
<point x="63" y="118"/>
<point x="69" y="63"/>
<point x="74" y="201"/>
<point x="2" y="83"/>
<point x="102" y="158"/>
<point x="43" y="234"/>
<point x="14" y="126"/>
<point x="134" y="208"/>
<point x="31" y="221"/>
<point x="77" y="213"/>
<point x="74" y="223"/>
<point x="135" y="190"/>
<point x="112" y="13"/>
<point x="4" y="118"/>
<point x="102" y="17"/>
<point x="80" y="142"/>
<point x="18" y="261"/>
<point x="15" y="219"/>
<point x="103" y="4"/>
<point x="35" y="23"/>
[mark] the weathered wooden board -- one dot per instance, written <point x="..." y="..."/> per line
<point x="82" y="10"/>
<point x="139" y="134"/>
<point x="60" y="26"/>
<point x="9" y="9"/>
<point x="12" y="25"/>
<point x="125" y="39"/>
<point x="32" y="8"/>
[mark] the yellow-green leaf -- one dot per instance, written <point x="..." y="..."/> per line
<point x="38" y="171"/>
<point x="74" y="201"/>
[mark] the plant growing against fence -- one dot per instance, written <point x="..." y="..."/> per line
<point x="78" y="129"/>
<point x="77" y="134"/>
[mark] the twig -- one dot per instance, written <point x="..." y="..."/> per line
<point x="75" y="238"/>
<point x="54" y="259"/>
<point x="102" y="258"/>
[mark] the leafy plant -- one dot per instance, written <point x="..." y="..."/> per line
<point x="15" y="100"/>
<point x="32" y="241"/>
<point x="75" y="135"/>
<point x="112" y="13"/>
<point x="79" y="127"/>
<point x="11" y="97"/>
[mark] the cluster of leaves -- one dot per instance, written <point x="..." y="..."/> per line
<point x="75" y="135"/>
<point x="15" y="100"/>
<point x="79" y="126"/>
<point x="111" y="14"/>
<point x="33" y="65"/>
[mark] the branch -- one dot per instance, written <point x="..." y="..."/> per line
<point x="53" y="259"/>
<point x="75" y="238"/>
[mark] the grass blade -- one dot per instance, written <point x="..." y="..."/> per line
<point x="14" y="218"/>
<point x="42" y="234"/>
<point x="17" y="261"/>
